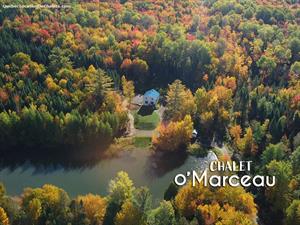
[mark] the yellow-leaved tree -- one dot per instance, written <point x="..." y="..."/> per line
<point x="34" y="210"/>
<point x="246" y="145"/>
<point x="94" y="207"/>
<point x="226" y="215"/>
<point x="225" y="205"/>
<point x="238" y="198"/>
<point x="3" y="217"/>
<point x="180" y="101"/>
<point x="128" y="88"/>
<point x="174" y="135"/>
<point x="189" y="197"/>
<point x="128" y="215"/>
<point x="213" y="107"/>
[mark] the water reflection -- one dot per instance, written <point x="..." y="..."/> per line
<point x="44" y="161"/>
<point x="160" y="164"/>
<point x="89" y="172"/>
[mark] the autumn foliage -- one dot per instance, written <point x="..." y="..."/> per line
<point x="174" y="135"/>
<point x="227" y="68"/>
<point x="216" y="206"/>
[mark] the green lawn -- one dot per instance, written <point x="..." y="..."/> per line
<point x="141" y="142"/>
<point x="148" y="122"/>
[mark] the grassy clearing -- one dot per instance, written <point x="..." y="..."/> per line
<point x="148" y="122"/>
<point x="119" y="144"/>
<point x="126" y="143"/>
<point x="142" y="142"/>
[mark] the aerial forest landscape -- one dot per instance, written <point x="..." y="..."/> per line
<point x="104" y="102"/>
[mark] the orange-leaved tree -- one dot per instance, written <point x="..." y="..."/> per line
<point x="174" y="135"/>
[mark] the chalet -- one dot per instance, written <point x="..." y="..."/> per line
<point x="151" y="97"/>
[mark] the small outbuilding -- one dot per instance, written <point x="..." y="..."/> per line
<point x="151" y="97"/>
<point x="138" y="100"/>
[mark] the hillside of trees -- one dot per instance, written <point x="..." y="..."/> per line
<point x="59" y="68"/>
<point x="229" y="68"/>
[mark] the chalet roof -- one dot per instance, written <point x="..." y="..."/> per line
<point x="152" y="93"/>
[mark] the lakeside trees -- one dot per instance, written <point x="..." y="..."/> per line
<point x="223" y="205"/>
<point x="126" y="204"/>
<point x="173" y="136"/>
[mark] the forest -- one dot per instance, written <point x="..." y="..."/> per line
<point x="228" y="68"/>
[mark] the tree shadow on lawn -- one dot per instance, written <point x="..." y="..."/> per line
<point x="146" y="118"/>
<point x="146" y="110"/>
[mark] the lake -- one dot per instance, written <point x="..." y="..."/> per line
<point x="155" y="172"/>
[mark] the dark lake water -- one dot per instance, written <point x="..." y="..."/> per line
<point x="155" y="172"/>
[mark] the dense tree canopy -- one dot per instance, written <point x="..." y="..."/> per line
<point x="228" y="68"/>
